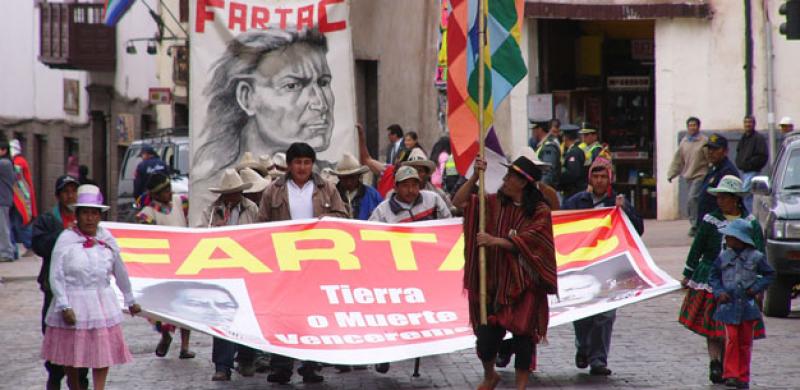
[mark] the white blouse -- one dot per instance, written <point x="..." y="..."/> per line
<point x="80" y="278"/>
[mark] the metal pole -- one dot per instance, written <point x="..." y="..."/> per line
<point x="482" y="152"/>
<point x="770" y="83"/>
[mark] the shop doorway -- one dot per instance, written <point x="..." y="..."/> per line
<point x="602" y="72"/>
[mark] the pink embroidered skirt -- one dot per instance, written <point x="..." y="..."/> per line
<point x="91" y="348"/>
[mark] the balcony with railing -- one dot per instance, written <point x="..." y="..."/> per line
<point x="73" y="36"/>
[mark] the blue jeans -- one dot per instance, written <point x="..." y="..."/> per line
<point x="7" y="251"/>
<point x="593" y="337"/>
<point x="224" y="351"/>
<point x="747" y="177"/>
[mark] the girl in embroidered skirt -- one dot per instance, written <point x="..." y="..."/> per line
<point x="83" y="321"/>
<point x="698" y="305"/>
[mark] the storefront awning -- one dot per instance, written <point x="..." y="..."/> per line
<point x="616" y="9"/>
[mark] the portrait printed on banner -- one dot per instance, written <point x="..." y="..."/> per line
<point x="269" y="88"/>
<point x="218" y="304"/>
<point x="604" y="281"/>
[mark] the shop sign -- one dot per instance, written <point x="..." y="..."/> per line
<point x="125" y="127"/>
<point x="628" y="83"/>
<point x="160" y="95"/>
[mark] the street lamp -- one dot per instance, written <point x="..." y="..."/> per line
<point x="151" y="47"/>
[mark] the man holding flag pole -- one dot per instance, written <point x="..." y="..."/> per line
<point x="510" y="267"/>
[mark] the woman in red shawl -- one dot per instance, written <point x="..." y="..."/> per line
<point x="520" y="265"/>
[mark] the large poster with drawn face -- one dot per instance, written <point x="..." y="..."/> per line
<point x="265" y="74"/>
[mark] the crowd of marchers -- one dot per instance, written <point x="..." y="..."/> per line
<point x="724" y="275"/>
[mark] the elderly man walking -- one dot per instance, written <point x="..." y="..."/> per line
<point x="230" y="208"/>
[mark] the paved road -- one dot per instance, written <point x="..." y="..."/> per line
<point x="649" y="348"/>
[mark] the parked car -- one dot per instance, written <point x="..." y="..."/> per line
<point x="777" y="205"/>
<point x="174" y="150"/>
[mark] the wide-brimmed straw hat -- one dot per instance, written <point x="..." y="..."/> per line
<point x="231" y="182"/>
<point x="266" y="161"/>
<point x="256" y="180"/>
<point x="89" y="195"/>
<point x="349" y="165"/>
<point x="739" y="229"/>
<point x="729" y="184"/>
<point x="279" y="165"/>
<point x="248" y="161"/>
<point x="417" y="158"/>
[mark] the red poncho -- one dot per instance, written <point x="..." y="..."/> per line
<point x="517" y="281"/>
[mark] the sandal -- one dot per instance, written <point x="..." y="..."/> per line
<point x="163" y="345"/>
<point x="186" y="355"/>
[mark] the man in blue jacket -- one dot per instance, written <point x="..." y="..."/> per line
<point x="358" y="198"/>
<point x="721" y="166"/>
<point x="593" y="334"/>
<point x="150" y="165"/>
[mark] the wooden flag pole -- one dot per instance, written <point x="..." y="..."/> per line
<point x="482" y="153"/>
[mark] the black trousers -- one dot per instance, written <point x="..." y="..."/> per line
<point x="286" y="364"/>
<point x="55" y="373"/>
<point x="490" y="338"/>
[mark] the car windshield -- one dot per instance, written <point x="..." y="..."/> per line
<point x="133" y="162"/>
<point x="791" y="175"/>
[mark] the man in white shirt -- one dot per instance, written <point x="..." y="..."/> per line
<point x="299" y="194"/>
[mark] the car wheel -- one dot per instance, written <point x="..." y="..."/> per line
<point x="777" y="301"/>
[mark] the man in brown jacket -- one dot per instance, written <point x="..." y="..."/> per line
<point x="691" y="163"/>
<point x="299" y="194"/>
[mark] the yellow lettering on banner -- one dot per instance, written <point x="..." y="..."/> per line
<point x="145" y="258"/>
<point x="602" y="248"/>
<point x="455" y="259"/>
<point x="400" y="243"/>
<point x="583" y="225"/>
<point x="144" y="243"/>
<point x="289" y="257"/>
<point x="200" y="258"/>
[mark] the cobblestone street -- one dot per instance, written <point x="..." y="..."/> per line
<point x="650" y="349"/>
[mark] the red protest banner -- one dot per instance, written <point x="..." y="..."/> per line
<point x="324" y="289"/>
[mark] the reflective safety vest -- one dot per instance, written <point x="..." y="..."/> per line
<point x="450" y="167"/>
<point x="588" y="150"/>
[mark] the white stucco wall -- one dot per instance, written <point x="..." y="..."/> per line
<point x="136" y="73"/>
<point x="32" y="90"/>
<point x="699" y="72"/>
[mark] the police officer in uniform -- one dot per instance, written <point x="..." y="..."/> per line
<point x="573" y="173"/>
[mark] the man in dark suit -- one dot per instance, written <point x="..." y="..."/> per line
<point x="396" y="145"/>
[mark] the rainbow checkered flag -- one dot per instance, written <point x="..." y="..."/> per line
<point x="114" y="10"/>
<point x="504" y="68"/>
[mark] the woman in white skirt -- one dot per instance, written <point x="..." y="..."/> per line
<point x="83" y="321"/>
